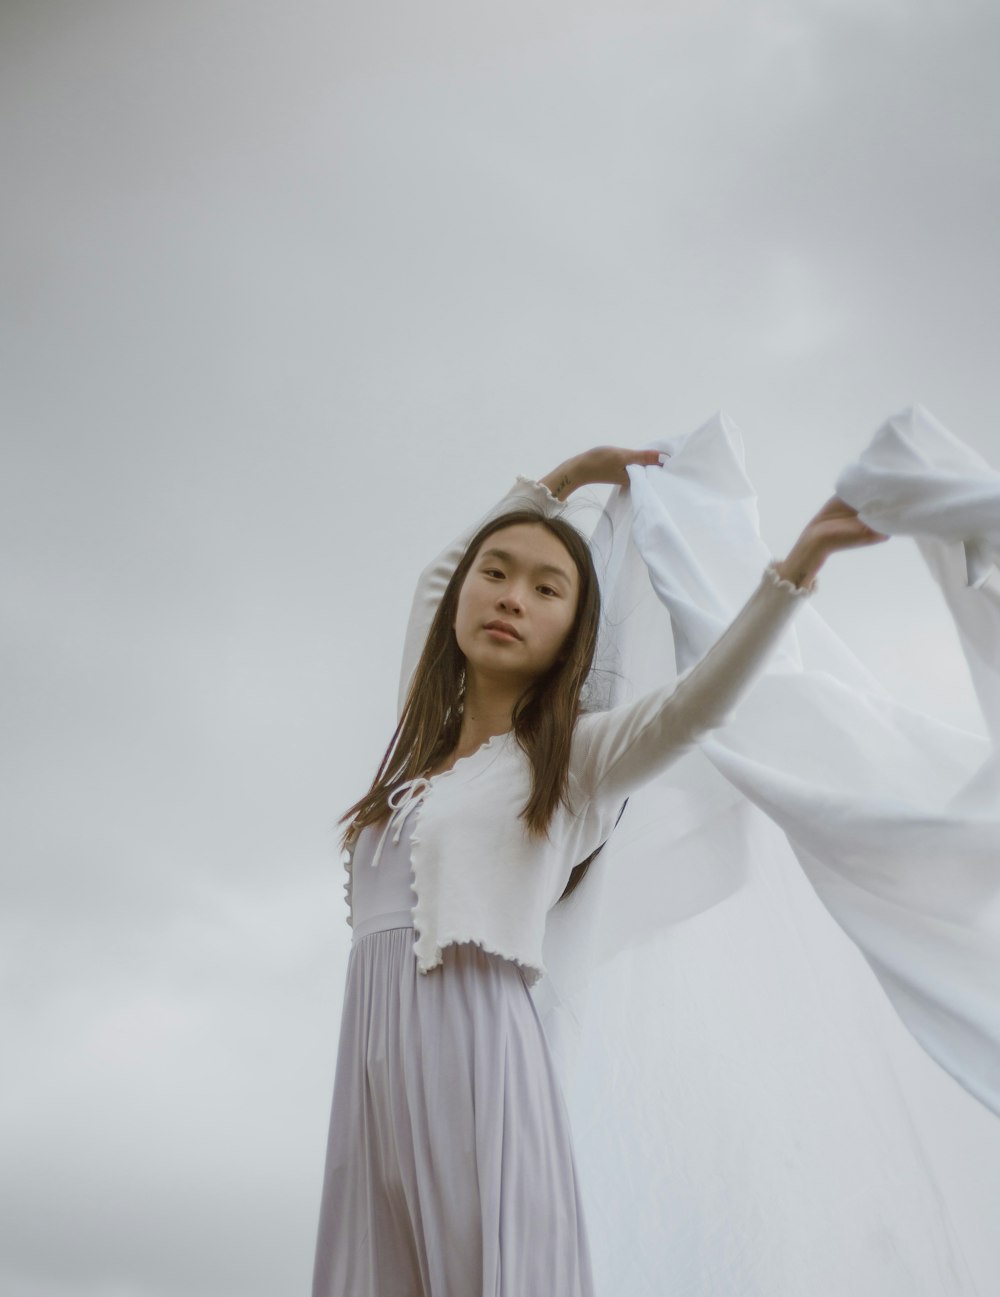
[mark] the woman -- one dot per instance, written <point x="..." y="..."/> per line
<point x="449" y="1169"/>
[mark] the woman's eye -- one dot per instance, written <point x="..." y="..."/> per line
<point x="495" y="571"/>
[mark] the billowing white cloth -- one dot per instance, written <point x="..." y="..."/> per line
<point x="745" y="1101"/>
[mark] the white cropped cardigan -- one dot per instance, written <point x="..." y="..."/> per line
<point x="477" y="875"/>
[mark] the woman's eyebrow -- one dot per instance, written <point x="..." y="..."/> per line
<point x="505" y="557"/>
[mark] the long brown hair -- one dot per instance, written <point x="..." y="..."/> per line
<point x="543" y="716"/>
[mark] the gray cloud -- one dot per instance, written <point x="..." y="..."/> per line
<point x="289" y="299"/>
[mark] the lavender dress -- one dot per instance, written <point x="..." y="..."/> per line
<point x="449" y="1167"/>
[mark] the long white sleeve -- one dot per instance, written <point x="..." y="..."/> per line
<point x="618" y="750"/>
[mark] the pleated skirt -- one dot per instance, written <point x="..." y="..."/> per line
<point x="449" y="1166"/>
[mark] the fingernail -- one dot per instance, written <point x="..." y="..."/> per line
<point x="663" y="457"/>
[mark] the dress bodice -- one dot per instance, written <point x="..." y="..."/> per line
<point x="382" y="895"/>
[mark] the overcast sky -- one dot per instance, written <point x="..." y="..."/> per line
<point x="291" y="292"/>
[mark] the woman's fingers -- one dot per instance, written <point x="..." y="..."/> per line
<point x="839" y="525"/>
<point x="843" y="532"/>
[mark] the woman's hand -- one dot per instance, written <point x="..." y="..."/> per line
<point x="601" y="464"/>
<point x="836" y="526"/>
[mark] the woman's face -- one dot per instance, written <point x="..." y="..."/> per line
<point x="526" y="577"/>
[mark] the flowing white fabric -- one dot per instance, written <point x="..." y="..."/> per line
<point x="728" y="989"/>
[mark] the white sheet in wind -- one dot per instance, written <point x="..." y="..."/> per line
<point x="750" y="1114"/>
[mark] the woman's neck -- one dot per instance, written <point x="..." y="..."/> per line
<point x="486" y="711"/>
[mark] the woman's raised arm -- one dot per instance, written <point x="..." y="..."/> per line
<point x="617" y="751"/>
<point x="601" y="464"/>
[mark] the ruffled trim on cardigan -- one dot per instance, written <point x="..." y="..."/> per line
<point x="532" y="973"/>
<point x="771" y="573"/>
<point x="348" y="862"/>
<point x="540" y="491"/>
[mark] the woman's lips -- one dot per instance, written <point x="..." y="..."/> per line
<point x="500" y="634"/>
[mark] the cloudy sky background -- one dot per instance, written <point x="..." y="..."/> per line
<point x="290" y="294"/>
